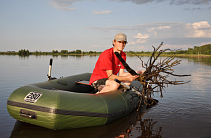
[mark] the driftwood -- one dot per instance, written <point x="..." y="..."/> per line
<point x="154" y="79"/>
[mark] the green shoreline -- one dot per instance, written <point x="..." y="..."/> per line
<point x="197" y="51"/>
<point x="98" y="53"/>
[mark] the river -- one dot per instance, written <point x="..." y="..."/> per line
<point x="183" y="112"/>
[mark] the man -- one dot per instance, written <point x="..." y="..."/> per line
<point x="108" y="66"/>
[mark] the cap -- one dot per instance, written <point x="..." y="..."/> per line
<point x="120" y="37"/>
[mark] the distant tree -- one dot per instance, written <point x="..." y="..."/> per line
<point x="23" y="52"/>
<point x="64" y="51"/>
<point x="78" y="51"/>
<point x="72" y="52"/>
<point x="91" y="52"/>
<point x="55" y="52"/>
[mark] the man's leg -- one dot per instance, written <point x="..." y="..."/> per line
<point x="110" y="86"/>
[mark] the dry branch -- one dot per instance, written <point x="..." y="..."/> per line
<point x="155" y="77"/>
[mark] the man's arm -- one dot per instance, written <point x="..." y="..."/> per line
<point x="123" y="76"/>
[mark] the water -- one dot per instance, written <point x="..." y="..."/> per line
<point x="184" y="111"/>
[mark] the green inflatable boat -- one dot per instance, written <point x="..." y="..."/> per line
<point x="64" y="103"/>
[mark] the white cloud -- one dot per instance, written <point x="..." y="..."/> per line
<point x="199" y="29"/>
<point x="177" y="34"/>
<point x="65" y="5"/>
<point x="164" y="30"/>
<point x="153" y="30"/>
<point x="141" y="38"/>
<point x="101" y="12"/>
<point x="163" y="27"/>
<point x="202" y="24"/>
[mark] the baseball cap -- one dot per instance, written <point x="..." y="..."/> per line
<point x="120" y="37"/>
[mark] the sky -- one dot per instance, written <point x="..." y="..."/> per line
<point x="90" y="25"/>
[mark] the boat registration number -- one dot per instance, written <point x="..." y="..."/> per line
<point x="32" y="97"/>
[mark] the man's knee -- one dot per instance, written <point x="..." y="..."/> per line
<point x="115" y="85"/>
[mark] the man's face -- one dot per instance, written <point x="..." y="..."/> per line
<point x="119" y="45"/>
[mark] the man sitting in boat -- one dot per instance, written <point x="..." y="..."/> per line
<point x="108" y="66"/>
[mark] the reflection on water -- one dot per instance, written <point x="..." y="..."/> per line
<point x="183" y="112"/>
<point x="64" y="56"/>
<point x="201" y="60"/>
<point x="146" y="128"/>
<point x="122" y="128"/>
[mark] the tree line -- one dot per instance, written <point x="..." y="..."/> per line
<point x="196" y="50"/>
<point x="24" y="52"/>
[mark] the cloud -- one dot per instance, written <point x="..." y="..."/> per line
<point x="172" y="2"/>
<point x="163" y="29"/>
<point x="139" y="1"/>
<point x="153" y="30"/>
<point x="101" y="12"/>
<point x="65" y="5"/>
<point x="192" y="9"/>
<point x="176" y="34"/>
<point x="141" y="38"/>
<point x="199" y="29"/>
<point x="195" y="2"/>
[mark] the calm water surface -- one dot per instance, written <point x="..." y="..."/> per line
<point x="183" y="112"/>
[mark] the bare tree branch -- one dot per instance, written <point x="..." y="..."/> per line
<point x="155" y="77"/>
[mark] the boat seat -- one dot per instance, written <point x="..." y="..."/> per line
<point x="86" y="85"/>
<point x="85" y="82"/>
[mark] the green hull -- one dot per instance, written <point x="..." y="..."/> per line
<point x="63" y="104"/>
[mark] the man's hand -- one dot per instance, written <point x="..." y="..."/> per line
<point x="140" y="72"/>
<point x="131" y="78"/>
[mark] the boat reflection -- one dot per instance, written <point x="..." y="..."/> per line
<point x="126" y="127"/>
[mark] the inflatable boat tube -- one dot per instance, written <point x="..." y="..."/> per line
<point x="64" y="104"/>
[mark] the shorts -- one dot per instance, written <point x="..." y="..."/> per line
<point x="99" y="84"/>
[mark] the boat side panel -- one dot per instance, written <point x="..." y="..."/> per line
<point x="115" y="105"/>
<point x="44" y="119"/>
<point x="119" y="103"/>
<point x="90" y="110"/>
<point x="43" y="107"/>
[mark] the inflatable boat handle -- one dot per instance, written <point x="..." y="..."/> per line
<point x="28" y="114"/>
<point x="128" y="87"/>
